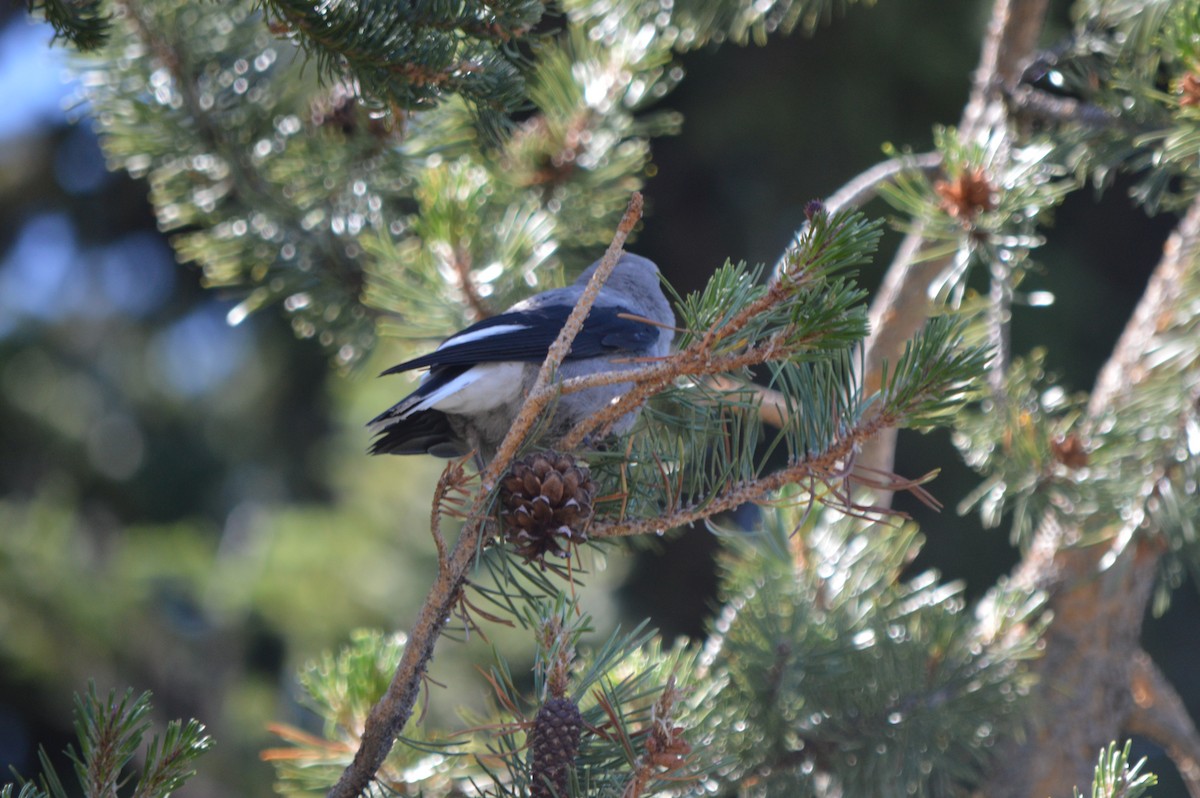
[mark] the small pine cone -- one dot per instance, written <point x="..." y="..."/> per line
<point x="546" y="503"/>
<point x="967" y="195"/>
<point x="553" y="744"/>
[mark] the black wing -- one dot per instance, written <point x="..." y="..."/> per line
<point x="604" y="332"/>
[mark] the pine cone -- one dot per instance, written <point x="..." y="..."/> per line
<point x="553" y="744"/>
<point x="967" y="195"/>
<point x="546" y="504"/>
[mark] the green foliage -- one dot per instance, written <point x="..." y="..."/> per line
<point x="1130" y="62"/>
<point x="994" y="226"/>
<point x="263" y="199"/>
<point x="935" y="376"/>
<point x="191" y="610"/>
<point x="1116" y="779"/>
<point x="833" y="667"/>
<point x="341" y="688"/>
<point x="1018" y="441"/>
<point x="698" y="439"/>
<point x="392" y="193"/>
<point x="1037" y="455"/>
<point x="626" y="672"/>
<point x="83" y="23"/>
<point x="615" y="684"/>
<point x="297" y="194"/>
<point x="110" y="732"/>
<point x="696" y="23"/>
<point x="409" y="56"/>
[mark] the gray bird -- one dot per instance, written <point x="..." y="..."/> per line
<point x="478" y="378"/>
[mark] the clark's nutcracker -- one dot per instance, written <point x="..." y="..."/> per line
<point x="479" y="377"/>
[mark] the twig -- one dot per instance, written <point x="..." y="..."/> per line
<point x="461" y="261"/>
<point x="665" y="751"/>
<point x="1028" y="102"/>
<point x="393" y="710"/>
<point x="822" y="468"/>
<point x="542" y="392"/>
<point x="864" y="187"/>
<point x="772" y="404"/>
<point x="697" y="360"/>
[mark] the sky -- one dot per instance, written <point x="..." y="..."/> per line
<point x="49" y="276"/>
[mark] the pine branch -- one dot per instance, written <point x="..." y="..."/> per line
<point x="389" y="716"/>
<point x="704" y="22"/>
<point x="825" y="657"/>
<point x="826" y="469"/>
<point x="233" y="175"/>
<point x="1098" y="593"/>
<point x="412" y="56"/>
<point x="110" y="732"/>
<point x="864" y="187"/>
<point x="902" y="304"/>
<point x="806" y="320"/>
<point x="83" y="23"/>
<point x="798" y="315"/>
<point x="1114" y="778"/>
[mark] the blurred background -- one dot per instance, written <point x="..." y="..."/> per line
<point x="187" y="507"/>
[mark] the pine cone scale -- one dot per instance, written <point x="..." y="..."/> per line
<point x="546" y="503"/>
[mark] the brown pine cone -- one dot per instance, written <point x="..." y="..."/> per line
<point x="553" y="744"/>
<point x="546" y="503"/>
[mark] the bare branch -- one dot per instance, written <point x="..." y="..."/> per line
<point x="460" y="260"/>
<point x="1098" y="593"/>
<point x="1127" y="367"/>
<point x="772" y="404"/>
<point x="1160" y="715"/>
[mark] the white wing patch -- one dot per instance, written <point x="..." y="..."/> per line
<point x="486" y="332"/>
<point x="477" y="390"/>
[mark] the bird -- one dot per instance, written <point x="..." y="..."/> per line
<point x="478" y="378"/>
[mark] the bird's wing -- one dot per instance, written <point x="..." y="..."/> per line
<point x="526" y="336"/>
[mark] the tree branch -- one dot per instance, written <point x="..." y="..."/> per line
<point x="829" y="466"/>
<point x="1127" y="367"/>
<point x="1159" y="714"/>
<point x="389" y="716"/>
<point x="460" y="260"/>
<point x="864" y="187"/>
<point x="1098" y="593"/>
<point x="903" y="304"/>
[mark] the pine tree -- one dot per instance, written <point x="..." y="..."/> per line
<point x="435" y="160"/>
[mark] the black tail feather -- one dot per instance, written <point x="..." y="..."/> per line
<point x="424" y="432"/>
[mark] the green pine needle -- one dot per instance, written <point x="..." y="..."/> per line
<point x="110" y="732"/>
<point x="83" y="23"/>
<point x="1116" y="779"/>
